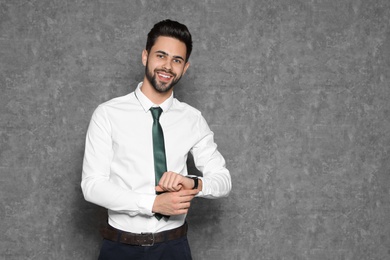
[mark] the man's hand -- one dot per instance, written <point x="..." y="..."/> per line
<point x="172" y="181"/>
<point x="174" y="203"/>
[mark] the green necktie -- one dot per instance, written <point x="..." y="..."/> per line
<point x="160" y="162"/>
<point x="160" y="165"/>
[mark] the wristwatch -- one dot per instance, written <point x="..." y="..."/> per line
<point x="196" y="181"/>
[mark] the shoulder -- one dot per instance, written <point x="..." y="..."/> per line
<point x="116" y="106"/>
<point x="184" y="112"/>
<point x="185" y="108"/>
<point x="119" y="101"/>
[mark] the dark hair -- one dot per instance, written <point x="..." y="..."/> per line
<point x="172" y="29"/>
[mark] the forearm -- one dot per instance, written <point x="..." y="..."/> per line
<point x="215" y="185"/>
<point x="102" y="192"/>
<point x="216" y="179"/>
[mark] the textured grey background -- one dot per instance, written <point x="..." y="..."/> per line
<point x="296" y="91"/>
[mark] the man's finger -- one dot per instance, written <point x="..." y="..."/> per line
<point x="159" y="189"/>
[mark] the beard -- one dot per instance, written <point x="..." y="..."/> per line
<point x="160" y="87"/>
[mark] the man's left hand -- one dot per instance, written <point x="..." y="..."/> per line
<point x="171" y="181"/>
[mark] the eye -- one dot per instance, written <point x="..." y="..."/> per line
<point x="178" y="61"/>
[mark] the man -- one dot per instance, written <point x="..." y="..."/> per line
<point x="130" y="137"/>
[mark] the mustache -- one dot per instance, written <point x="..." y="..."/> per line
<point x="165" y="71"/>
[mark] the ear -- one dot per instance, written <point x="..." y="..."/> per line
<point x="144" y="57"/>
<point x="186" y="67"/>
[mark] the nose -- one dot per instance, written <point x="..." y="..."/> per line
<point x="167" y="65"/>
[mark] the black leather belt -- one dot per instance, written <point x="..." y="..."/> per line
<point x="143" y="239"/>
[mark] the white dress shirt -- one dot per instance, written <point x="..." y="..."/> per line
<point x="118" y="168"/>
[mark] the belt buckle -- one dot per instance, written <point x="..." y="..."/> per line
<point x="145" y="239"/>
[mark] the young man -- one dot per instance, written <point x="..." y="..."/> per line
<point x="128" y="141"/>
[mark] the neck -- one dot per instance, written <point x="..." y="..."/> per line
<point x="154" y="96"/>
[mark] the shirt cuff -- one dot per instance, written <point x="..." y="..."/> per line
<point x="145" y="204"/>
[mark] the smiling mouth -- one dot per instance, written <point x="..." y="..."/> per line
<point x="164" y="76"/>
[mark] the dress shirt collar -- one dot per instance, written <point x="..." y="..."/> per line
<point x="147" y="104"/>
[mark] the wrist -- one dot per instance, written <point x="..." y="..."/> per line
<point x="197" y="182"/>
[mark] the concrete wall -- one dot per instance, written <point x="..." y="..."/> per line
<point x="296" y="91"/>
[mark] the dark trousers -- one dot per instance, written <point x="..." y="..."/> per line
<point x="171" y="250"/>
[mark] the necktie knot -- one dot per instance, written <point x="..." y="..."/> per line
<point x="156" y="112"/>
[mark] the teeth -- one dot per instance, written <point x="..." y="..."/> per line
<point x="165" y="76"/>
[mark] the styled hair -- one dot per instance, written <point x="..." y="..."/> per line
<point x="171" y="29"/>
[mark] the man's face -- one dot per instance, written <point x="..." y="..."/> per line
<point x="165" y="64"/>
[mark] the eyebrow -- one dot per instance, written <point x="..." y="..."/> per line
<point x="164" y="53"/>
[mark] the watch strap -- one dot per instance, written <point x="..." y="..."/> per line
<point x="196" y="181"/>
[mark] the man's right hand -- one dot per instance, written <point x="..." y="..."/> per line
<point x="174" y="203"/>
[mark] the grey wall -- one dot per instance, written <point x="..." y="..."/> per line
<point x="296" y="91"/>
